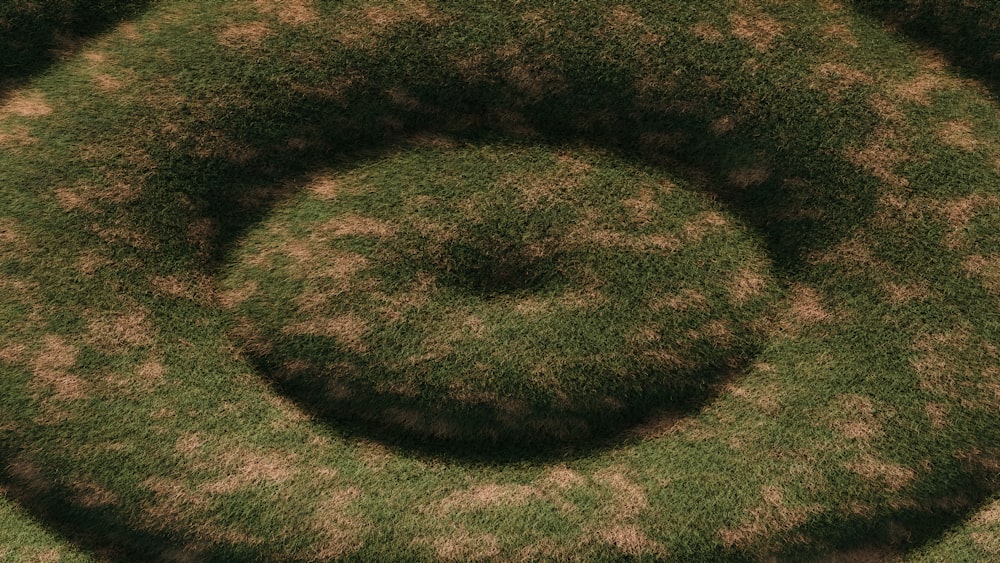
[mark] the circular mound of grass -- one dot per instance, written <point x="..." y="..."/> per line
<point x="497" y="293"/>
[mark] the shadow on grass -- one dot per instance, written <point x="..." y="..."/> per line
<point x="773" y="168"/>
<point x="33" y="35"/>
<point x="967" y="33"/>
<point x="98" y="527"/>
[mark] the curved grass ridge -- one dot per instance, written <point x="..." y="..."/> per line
<point x="513" y="294"/>
<point x="133" y="426"/>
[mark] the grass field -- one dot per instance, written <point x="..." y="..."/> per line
<point x="405" y="279"/>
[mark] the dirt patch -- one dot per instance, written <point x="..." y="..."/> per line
<point x="25" y="103"/>
<point x="759" y="30"/>
<point x="348" y="330"/>
<point x="958" y="134"/>
<point x="246" y="35"/>
<point x="887" y="474"/>
<point x="772" y="515"/>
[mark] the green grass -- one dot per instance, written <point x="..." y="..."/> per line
<point x="183" y="190"/>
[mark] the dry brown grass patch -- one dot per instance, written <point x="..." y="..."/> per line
<point x="807" y="305"/>
<point x="623" y="19"/>
<point x="246" y="468"/>
<point x="25" y="103"/>
<point x="890" y="475"/>
<point x="707" y="32"/>
<point x="463" y="545"/>
<point x="232" y="297"/>
<point x="17" y="137"/>
<point x="987" y="269"/>
<point x="490" y="495"/>
<point x="628" y="498"/>
<point x="93" y="495"/>
<point x="630" y="540"/>
<point x="840" y="33"/>
<point x="958" y="134"/>
<point x="747" y="177"/>
<point x="856" y="418"/>
<point x="772" y="515"/>
<point x="937" y="413"/>
<point x="900" y="294"/>
<point x="290" y="12"/>
<point x="759" y="30"/>
<point x="687" y="299"/>
<point x="918" y="89"/>
<point x="338" y="532"/>
<point x="643" y="206"/>
<point x="723" y="125"/>
<point x="349" y="330"/>
<point x="245" y="35"/>
<point x="958" y="213"/>
<point x="13" y="353"/>
<point x="51" y="366"/>
<point x="746" y="284"/>
<point x="880" y="158"/>
<point x="357" y="225"/>
<point x="121" y="331"/>
<point x="837" y="78"/>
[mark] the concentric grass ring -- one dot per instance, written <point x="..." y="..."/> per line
<point x="514" y="294"/>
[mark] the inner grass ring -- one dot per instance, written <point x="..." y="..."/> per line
<point x="498" y="293"/>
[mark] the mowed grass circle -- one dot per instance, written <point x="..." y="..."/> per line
<point x="497" y="293"/>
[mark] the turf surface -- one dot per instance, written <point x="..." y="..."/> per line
<point x="160" y="179"/>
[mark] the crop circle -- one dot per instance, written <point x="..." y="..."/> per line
<point x="497" y="293"/>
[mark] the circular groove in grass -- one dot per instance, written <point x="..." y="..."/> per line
<point x="498" y="293"/>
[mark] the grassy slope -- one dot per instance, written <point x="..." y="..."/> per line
<point x="133" y="426"/>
